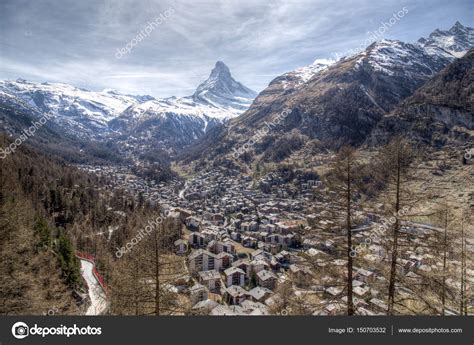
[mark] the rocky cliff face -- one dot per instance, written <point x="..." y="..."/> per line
<point x="438" y="113"/>
<point x="454" y="42"/>
<point x="138" y="125"/>
<point x="172" y="124"/>
<point x="341" y="103"/>
<point x="221" y="90"/>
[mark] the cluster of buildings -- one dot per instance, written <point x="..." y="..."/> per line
<point x="242" y="238"/>
<point x="239" y="242"/>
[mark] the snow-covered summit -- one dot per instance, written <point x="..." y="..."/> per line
<point x="452" y="43"/>
<point x="89" y="113"/>
<point x="184" y="106"/>
<point x="421" y="59"/>
<point x="307" y="72"/>
<point x="219" y="97"/>
<point x="301" y="75"/>
<point x="221" y="90"/>
<point x="65" y="99"/>
<point x="393" y="57"/>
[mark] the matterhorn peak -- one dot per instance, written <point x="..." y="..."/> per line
<point x="220" y="72"/>
<point x="221" y="88"/>
<point x="220" y="67"/>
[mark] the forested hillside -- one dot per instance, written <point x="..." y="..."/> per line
<point x="49" y="210"/>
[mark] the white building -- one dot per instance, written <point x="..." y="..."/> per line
<point x="234" y="276"/>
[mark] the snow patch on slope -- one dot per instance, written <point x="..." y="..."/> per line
<point x="99" y="107"/>
<point x="307" y="72"/>
<point x="452" y="43"/>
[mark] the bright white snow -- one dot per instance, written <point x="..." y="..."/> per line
<point x="307" y="72"/>
<point x="100" y="107"/>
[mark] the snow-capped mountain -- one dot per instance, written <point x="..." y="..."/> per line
<point x="79" y="111"/>
<point x="172" y="124"/>
<point x="299" y="76"/>
<point x="452" y="43"/>
<point x="334" y="102"/>
<point x="305" y="73"/>
<point x="19" y="118"/>
<point x="218" y="98"/>
<point x="23" y="114"/>
<point x="438" y="113"/>
<point x="339" y="103"/>
<point x="441" y="46"/>
<point x="91" y="114"/>
<point x="392" y="57"/>
<point x="221" y="90"/>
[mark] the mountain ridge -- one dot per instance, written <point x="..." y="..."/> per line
<point x="127" y="121"/>
<point x="342" y="102"/>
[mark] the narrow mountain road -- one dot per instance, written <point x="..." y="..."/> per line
<point x="96" y="293"/>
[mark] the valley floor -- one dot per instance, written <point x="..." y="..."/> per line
<point x="246" y="237"/>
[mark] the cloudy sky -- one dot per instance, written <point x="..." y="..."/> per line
<point x="78" y="42"/>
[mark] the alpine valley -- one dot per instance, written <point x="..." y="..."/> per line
<point x="135" y="124"/>
<point x="256" y="204"/>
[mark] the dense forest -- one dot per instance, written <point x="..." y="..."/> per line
<point x="48" y="210"/>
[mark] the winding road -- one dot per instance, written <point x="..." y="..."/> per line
<point x="96" y="293"/>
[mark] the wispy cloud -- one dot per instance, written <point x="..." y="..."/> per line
<point x="75" y="42"/>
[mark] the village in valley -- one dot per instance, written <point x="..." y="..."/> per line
<point x="237" y="158"/>
<point x="267" y="246"/>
